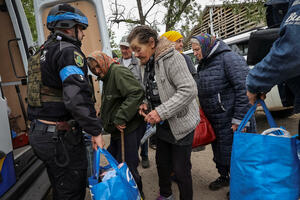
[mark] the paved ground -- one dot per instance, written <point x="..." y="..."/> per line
<point x="203" y="170"/>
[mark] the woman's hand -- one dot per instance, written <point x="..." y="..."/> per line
<point x="143" y="109"/>
<point x="153" y="117"/>
<point x="234" y="127"/>
<point x="120" y="127"/>
<point x="98" y="141"/>
<point x="253" y="97"/>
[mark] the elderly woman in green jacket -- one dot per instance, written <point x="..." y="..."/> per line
<point x="122" y="94"/>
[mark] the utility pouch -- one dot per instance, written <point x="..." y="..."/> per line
<point x="62" y="158"/>
<point x="74" y="135"/>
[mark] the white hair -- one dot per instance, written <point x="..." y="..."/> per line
<point x="195" y="41"/>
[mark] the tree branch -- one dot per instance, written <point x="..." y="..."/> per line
<point x="155" y="2"/>
<point x="140" y="9"/>
<point x="131" y="21"/>
<point x="170" y="23"/>
<point x="170" y="9"/>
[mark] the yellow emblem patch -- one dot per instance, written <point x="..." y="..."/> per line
<point x="78" y="59"/>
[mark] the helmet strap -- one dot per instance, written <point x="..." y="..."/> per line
<point x="76" y="33"/>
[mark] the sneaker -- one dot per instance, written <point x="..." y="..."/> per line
<point x="145" y="163"/>
<point x="165" y="198"/>
<point x="220" y="182"/>
<point x="152" y="146"/>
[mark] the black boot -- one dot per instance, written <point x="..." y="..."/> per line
<point x="220" y="182"/>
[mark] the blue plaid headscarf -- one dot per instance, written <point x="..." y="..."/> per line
<point x="207" y="42"/>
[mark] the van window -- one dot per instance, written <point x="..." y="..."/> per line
<point x="240" y="48"/>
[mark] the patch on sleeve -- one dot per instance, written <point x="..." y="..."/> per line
<point x="78" y="59"/>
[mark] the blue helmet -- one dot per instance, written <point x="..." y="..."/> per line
<point x="65" y="16"/>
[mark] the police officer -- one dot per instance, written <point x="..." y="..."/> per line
<point x="59" y="92"/>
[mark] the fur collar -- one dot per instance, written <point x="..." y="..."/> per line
<point x="163" y="47"/>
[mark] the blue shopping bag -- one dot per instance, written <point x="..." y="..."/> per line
<point x="121" y="186"/>
<point x="264" y="167"/>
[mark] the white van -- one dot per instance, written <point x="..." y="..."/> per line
<point x="239" y="44"/>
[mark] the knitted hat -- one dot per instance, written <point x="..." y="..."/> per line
<point x="173" y="36"/>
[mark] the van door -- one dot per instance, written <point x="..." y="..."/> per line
<point x="96" y="35"/>
<point x="15" y="40"/>
<point x="15" y="37"/>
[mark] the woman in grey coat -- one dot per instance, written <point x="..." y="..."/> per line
<point x="222" y="95"/>
<point x="171" y="105"/>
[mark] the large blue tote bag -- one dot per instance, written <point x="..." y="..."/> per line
<point x="263" y="167"/>
<point x="120" y="187"/>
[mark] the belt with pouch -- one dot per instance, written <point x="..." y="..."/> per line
<point x="51" y="128"/>
<point x="60" y="148"/>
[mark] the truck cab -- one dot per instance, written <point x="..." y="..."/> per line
<point x="22" y="174"/>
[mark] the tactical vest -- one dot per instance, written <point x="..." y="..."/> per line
<point x="37" y="93"/>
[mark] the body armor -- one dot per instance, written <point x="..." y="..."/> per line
<point x="36" y="91"/>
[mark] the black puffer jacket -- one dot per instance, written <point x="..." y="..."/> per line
<point x="222" y="95"/>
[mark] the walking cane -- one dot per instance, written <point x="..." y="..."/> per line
<point x="122" y="145"/>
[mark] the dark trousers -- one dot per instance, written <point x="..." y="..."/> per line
<point x="132" y="144"/>
<point x="174" y="158"/>
<point x="144" y="147"/>
<point x="144" y="150"/>
<point x="223" y="170"/>
<point x="220" y="159"/>
<point x="69" y="182"/>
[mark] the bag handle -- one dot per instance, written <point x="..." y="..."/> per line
<point x="252" y="110"/>
<point x="276" y="131"/>
<point x="270" y="119"/>
<point x="112" y="161"/>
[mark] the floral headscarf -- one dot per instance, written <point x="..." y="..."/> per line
<point x="207" y="42"/>
<point x="103" y="60"/>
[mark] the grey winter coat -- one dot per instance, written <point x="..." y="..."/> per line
<point x="222" y="95"/>
<point x="177" y="90"/>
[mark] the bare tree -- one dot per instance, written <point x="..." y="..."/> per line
<point x="178" y="14"/>
<point x="175" y="10"/>
<point x="119" y="13"/>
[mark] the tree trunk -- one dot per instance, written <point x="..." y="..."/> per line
<point x="140" y="9"/>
